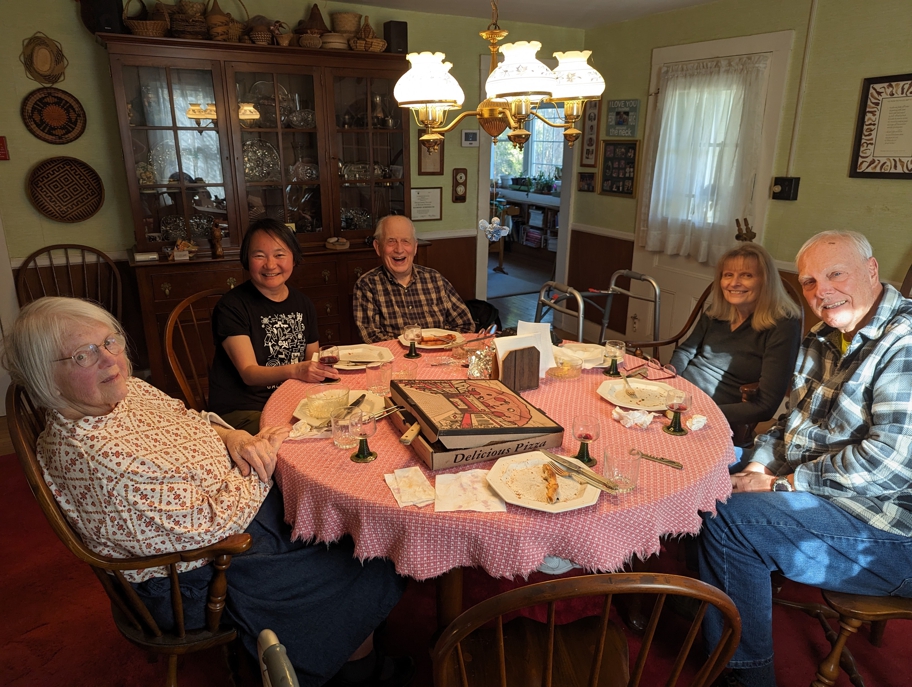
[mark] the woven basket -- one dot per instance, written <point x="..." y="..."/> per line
<point x="189" y="26"/>
<point x="285" y="39"/>
<point x="194" y="9"/>
<point x="261" y="35"/>
<point x="346" y="23"/>
<point x="236" y="31"/>
<point x="152" y="28"/>
<point x="310" y="41"/>
<point x="314" y="24"/>
<point x="368" y="44"/>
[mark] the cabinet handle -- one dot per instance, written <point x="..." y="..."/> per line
<point x="329" y="335"/>
<point x="231" y="281"/>
<point x="328" y="309"/>
<point x="325" y="274"/>
<point x="358" y="272"/>
<point x="166" y="287"/>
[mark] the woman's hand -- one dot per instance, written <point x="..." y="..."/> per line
<point x="312" y="371"/>
<point x="257" y="452"/>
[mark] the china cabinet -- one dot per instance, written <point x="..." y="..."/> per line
<point x="217" y="135"/>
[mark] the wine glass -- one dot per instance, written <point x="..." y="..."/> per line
<point x="364" y="426"/>
<point x="614" y="351"/>
<point x="329" y="356"/>
<point x="411" y="334"/>
<point x="677" y="401"/>
<point x="585" y="430"/>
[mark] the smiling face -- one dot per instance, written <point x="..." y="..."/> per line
<point x="270" y="263"/>
<point x="96" y="389"/>
<point x="397" y="247"/>
<point x="741" y="283"/>
<point x="841" y="286"/>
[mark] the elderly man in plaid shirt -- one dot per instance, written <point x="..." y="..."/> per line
<point x="400" y="293"/>
<point x="826" y="498"/>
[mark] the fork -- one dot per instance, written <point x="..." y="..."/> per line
<point x="628" y="389"/>
<point x="561" y="471"/>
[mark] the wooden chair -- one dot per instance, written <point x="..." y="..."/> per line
<point x="190" y="323"/>
<point x="132" y="618"/>
<point x="69" y="269"/>
<point x="480" y="648"/>
<point x="906" y="288"/>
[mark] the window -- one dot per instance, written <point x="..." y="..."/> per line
<point x="544" y="153"/>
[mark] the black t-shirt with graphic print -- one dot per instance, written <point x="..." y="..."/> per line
<point x="279" y="332"/>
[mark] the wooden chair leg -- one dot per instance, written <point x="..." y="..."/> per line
<point x="877" y="632"/>
<point x="172" y="671"/>
<point x="828" y="670"/>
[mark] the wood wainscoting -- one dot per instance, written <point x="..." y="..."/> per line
<point x="593" y="259"/>
<point x="454" y="259"/>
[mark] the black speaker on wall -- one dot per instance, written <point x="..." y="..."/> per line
<point x="102" y="15"/>
<point x="395" y="33"/>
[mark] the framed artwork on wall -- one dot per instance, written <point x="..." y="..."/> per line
<point x="589" y="124"/>
<point x="429" y="163"/>
<point x="618" y="168"/>
<point x="427" y="204"/>
<point x="586" y="182"/>
<point x="883" y="132"/>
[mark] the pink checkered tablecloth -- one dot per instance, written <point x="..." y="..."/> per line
<point x="328" y="496"/>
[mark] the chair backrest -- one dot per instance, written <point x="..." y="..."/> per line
<point x="906" y="288"/>
<point x="189" y="345"/>
<point x="600" y="654"/>
<point x="70" y="269"/>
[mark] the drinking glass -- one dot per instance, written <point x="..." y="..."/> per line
<point x="341" y="428"/>
<point x="677" y="401"/>
<point x="378" y="378"/>
<point x="412" y="335"/>
<point x="622" y="468"/>
<point x="363" y="426"/>
<point x="329" y="356"/>
<point x="585" y="429"/>
<point x="614" y="351"/>
<point x="403" y="369"/>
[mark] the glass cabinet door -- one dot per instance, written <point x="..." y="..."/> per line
<point x="281" y="169"/>
<point x="176" y="121"/>
<point x="370" y="149"/>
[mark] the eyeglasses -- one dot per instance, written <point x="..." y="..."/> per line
<point x="89" y="355"/>
<point x="653" y="366"/>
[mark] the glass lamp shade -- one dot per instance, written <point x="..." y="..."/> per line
<point x="576" y="79"/>
<point x="197" y="111"/>
<point x="428" y="81"/>
<point x="247" y="111"/>
<point x="521" y="75"/>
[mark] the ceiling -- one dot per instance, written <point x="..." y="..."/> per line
<point x="578" y="14"/>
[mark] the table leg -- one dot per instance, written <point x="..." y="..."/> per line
<point x="449" y="597"/>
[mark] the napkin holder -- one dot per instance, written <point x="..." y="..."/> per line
<point x="519" y="369"/>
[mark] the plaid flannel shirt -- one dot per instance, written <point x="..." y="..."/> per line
<point x="383" y="307"/>
<point x="848" y="434"/>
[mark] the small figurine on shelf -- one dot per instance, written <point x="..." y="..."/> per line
<point x="183" y="250"/>
<point x="215" y="235"/>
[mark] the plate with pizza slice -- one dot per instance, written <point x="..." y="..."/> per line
<point x="526" y="480"/>
<point x="435" y="339"/>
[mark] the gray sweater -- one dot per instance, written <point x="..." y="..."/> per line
<point x="719" y="361"/>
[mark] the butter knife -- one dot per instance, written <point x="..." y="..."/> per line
<point x="581" y="470"/>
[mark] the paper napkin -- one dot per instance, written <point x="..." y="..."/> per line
<point x="303" y="430"/>
<point x="541" y="330"/>
<point x="467" y="491"/>
<point x="410" y="487"/>
<point x="695" y="422"/>
<point x="633" y="418"/>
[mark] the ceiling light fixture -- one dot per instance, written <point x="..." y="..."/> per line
<point x="516" y="89"/>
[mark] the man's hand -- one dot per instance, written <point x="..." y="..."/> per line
<point x="312" y="371"/>
<point x="258" y="452"/>
<point x="752" y="481"/>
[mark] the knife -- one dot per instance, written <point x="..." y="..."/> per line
<point x="579" y="469"/>
<point x="413" y="428"/>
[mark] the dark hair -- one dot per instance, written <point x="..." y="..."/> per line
<point x="278" y="231"/>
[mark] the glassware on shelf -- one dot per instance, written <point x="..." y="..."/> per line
<point x="585" y="429"/>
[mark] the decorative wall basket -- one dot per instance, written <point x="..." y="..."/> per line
<point x="65" y="189"/>
<point x="43" y="59"/>
<point x="53" y="115"/>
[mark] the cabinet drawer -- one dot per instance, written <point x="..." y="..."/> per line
<point x="315" y="274"/>
<point x="326" y="306"/>
<point x="355" y="268"/>
<point x="176" y="286"/>
<point x="330" y="333"/>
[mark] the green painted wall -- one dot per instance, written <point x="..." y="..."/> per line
<point x="88" y="79"/>
<point x="852" y="40"/>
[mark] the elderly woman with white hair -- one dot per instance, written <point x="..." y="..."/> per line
<point x="136" y="473"/>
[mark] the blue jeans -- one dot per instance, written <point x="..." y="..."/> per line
<point x="806" y="538"/>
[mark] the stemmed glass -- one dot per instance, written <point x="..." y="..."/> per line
<point x="329" y="356"/>
<point x="614" y="351"/>
<point x="412" y="334"/>
<point x="677" y="401"/>
<point x="585" y="429"/>
<point x="363" y="426"/>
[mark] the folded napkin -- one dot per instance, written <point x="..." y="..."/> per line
<point x="410" y="487"/>
<point x="467" y="491"/>
<point x="303" y="430"/>
<point x="633" y="418"/>
<point x="695" y="422"/>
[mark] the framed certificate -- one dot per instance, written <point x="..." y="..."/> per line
<point x="883" y="132"/>
<point x="427" y="204"/>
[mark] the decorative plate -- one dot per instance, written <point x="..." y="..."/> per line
<point x="261" y="161"/>
<point x="356" y="218"/>
<point x="53" y="115"/>
<point x="518" y="480"/>
<point x="163" y="157"/>
<point x="43" y="59"/>
<point x="65" y="189"/>
<point x="301" y="119"/>
<point x="652" y="394"/>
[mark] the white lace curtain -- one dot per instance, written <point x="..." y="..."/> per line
<point x="704" y="148"/>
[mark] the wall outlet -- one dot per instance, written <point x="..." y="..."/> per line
<point x="785" y="188"/>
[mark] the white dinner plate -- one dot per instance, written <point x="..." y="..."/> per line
<point x="433" y="332"/>
<point x="652" y="394"/>
<point x="360" y="352"/>
<point x="371" y="404"/>
<point x="592" y="355"/>
<point x="517" y="480"/>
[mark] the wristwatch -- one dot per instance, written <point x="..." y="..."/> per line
<point x="782" y="484"/>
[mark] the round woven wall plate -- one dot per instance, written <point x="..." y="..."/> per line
<point x="53" y="115"/>
<point x="43" y="59"/>
<point x="65" y="189"/>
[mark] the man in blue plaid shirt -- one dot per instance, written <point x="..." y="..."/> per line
<point x="827" y="497"/>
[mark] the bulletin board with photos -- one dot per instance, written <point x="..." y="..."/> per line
<point x="618" y="169"/>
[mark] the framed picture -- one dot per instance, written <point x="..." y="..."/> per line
<point x="586" y="182"/>
<point x="589" y="124"/>
<point x="623" y="118"/>
<point x="470" y="138"/>
<point x="427" y="204"/>
<point x="430" y="163"/>
<point x="618" y="171"/>
<point x="883" y="132"/>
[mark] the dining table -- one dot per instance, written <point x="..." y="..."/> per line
<point x="328" y="496"/>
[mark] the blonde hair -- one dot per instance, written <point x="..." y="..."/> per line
<point x="40" y="335"/>
<point x="773" y="303"/>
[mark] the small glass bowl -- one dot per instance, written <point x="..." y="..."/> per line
<point x="567" y="368"/>
<point x="322" y="401"/>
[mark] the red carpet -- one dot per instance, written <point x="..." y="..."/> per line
<point x="57" y="627"/>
